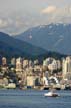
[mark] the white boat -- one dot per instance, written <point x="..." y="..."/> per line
<point x="51" y="94"/>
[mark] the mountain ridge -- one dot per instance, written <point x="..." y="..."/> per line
<point x="52" y="37"/>
<point x="18" y="48"/>
<point x="10" y="47"/>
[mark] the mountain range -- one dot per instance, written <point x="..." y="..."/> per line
<point x="11" y="47"/>
<point x="52" y="37"/>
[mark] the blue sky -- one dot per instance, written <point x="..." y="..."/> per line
<point x="17" y="16"/>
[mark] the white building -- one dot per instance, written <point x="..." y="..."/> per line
<point x="53" y="65"/>
<point x="19" y="64"/>
<point x="51" y="62"/>
<point x="47" y="61"/>
<point x="4" y="61"/>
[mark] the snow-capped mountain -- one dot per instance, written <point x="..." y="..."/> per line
<point x="53" y="37"/>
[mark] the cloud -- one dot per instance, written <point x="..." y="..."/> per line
<point x="57" y="14"/>
<point x="3" y="23"/>
<point x="14" y="24"/>
<point x="18" y="22"/>
<point x="49" y="9"/>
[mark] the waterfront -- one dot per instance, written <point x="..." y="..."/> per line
<point x="33" y="99"/>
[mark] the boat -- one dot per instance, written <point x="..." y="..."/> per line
<point x="51" y="94"/>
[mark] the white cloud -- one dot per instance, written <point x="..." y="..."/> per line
<point x="49" y="9"/>
<point x="57" y="15"/>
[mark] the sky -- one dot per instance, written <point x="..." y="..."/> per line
<point x="16" y="16"/>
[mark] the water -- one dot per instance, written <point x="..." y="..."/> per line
<point x="33" y="99"/>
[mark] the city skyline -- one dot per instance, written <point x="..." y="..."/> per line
<point x="35" y="53"/>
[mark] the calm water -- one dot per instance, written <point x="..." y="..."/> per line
<point x="33" y="99"/>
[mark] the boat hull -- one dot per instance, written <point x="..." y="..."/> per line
<point x="51" y="95"/>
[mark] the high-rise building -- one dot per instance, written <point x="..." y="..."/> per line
<point x="25" y="63"/>
<point x="13" y="61"/>
<point x="66" y="67"/>
<point x="19" y="64"/>
<point x="4" y="61"/>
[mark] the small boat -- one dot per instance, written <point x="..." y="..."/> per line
<point x="51" y="94"/>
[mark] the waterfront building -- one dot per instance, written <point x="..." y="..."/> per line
<point x="45" y="81"/>
<point x="5" y="81"/>
<point x="30" y="80"/>
<point x="1" y="82"/>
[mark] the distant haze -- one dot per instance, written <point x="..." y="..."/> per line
<point x="17" y="16"/>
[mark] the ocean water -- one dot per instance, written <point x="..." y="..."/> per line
<point x="33" y="99"/>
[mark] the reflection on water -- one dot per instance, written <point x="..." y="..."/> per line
<point x="33" y="99"/>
